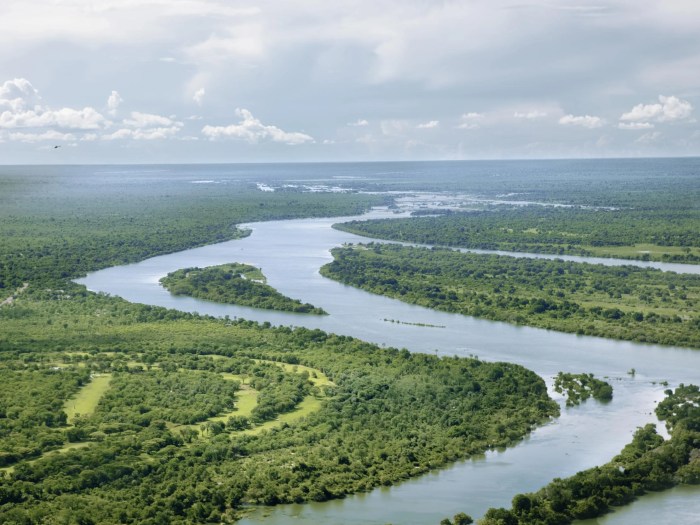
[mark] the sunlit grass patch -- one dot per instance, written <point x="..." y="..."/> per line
<point x="86" y="400"/>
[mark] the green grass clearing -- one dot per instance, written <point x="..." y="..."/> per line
<point x="309" y="405"/>
<point x="654" y="251"/>
<point x="87" y="398"/>
<point x="317" y="377"/>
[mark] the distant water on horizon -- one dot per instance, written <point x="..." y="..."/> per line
<point x="348" y="171"/>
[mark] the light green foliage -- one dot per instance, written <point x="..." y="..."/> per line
<point x="233" y="283"/>
<point x="621" y="302"/>
<point x="370" y="417"/>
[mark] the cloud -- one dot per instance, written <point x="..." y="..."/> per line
<point x="243" y="42"/>
<point x="23" y="109"/>
<point x="635" y="125"/>
<point x="669" y="109"/>
<point x="198" y="96"/>
<point x="145" y="126"/>
<point x="69" y="118"/>
<point x="586" y="121"/>
<point x="470" y="120"/>
<point x="18" y="94"/>
<point x="113" y="102"/>
<point x="147" y="120"/>
<point x="360" y="122"/>
<point x="530" y="115"/>
<point x="429" y="125"/>
<point x="142" y="134"/>
<point x="51" y="134"/>
<point x="650" y="137"/>
<point x="253" y="131"/>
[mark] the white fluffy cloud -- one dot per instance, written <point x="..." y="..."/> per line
<point x="41" y="117"/>
<point x="51" y="135"/>
<point x="145" y="126"/>
<point x="668" y="109"/>
<point x="529" y="115"/>
<point x="198" y="96"/>
<point x="113" y="102"/>
<point x="149" y="120"/>
<point x="252" y="130"/>
<point x="18" y="94"/>
<point x="23" y="109"/>
<point x="470" y="120"/>
<point x="429" y="125"/>
<point x="360" y="122"/>
<point x="635" y="125"/>
<point x="586" y="121"/>
<point x="142" y="134"/>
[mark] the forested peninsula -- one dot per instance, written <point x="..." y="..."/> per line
<point x="233" y="283"/>
<point x="146" y="451"/>
<point x="620" y="302"/>
<point x="659" y="230"/>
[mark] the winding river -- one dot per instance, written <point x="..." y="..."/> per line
<point x="290" y="254"/>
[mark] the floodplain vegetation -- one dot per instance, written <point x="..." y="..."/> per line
<point x="580" y="387"/>
<point x="619" y="302"/>
<point x="169" y="439"/>
<point x="669" y="235"/>
<point x="112" y="412"/>
<point x="62" y="225"/>
<point x="233" y="283"/>
<point x="648" y="463"/>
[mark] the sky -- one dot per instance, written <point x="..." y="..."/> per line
<point x="152" y="81"/>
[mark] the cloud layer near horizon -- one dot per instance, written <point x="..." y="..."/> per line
<point x="341" y="80"/>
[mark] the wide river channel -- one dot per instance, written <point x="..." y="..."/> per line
<point x="290" y="254"/>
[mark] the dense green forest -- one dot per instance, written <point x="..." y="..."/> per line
<point x="667" y="234"/>
<point x="57" y="226"/>
<point x="151" y="452"/>
<point x="640" y="209"/>
<point x="233" y="283"/>
<point x="112" y="412"/>
<point x="621" y="302"/>
<point x="648" y="463"/>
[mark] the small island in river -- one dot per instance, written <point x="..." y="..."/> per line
<point x="233" y="283"/>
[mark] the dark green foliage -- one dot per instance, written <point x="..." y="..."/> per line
<point x="61" y="225"/>
<point x="621" y="302"/>
<point x="579" y="387"/>
<point x="140" y="397"/>
<point x="646" y="464"/>
<point x="232" y="284"/>
<point x="539" y="229"/>
<point x="31" y="407"/>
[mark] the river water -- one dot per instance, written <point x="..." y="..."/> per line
<point x="290" y="254"/>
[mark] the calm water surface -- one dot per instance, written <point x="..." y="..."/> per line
<point x="290" y="254"/>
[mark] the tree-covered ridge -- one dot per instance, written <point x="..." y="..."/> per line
<point x="233" y="283"/>
<point x="648" y="463"/>
<point x="666" y="234"/>
<point x="621" y="302"/>
<point x="579" y="387"/>
<point x="388" y="414"/>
